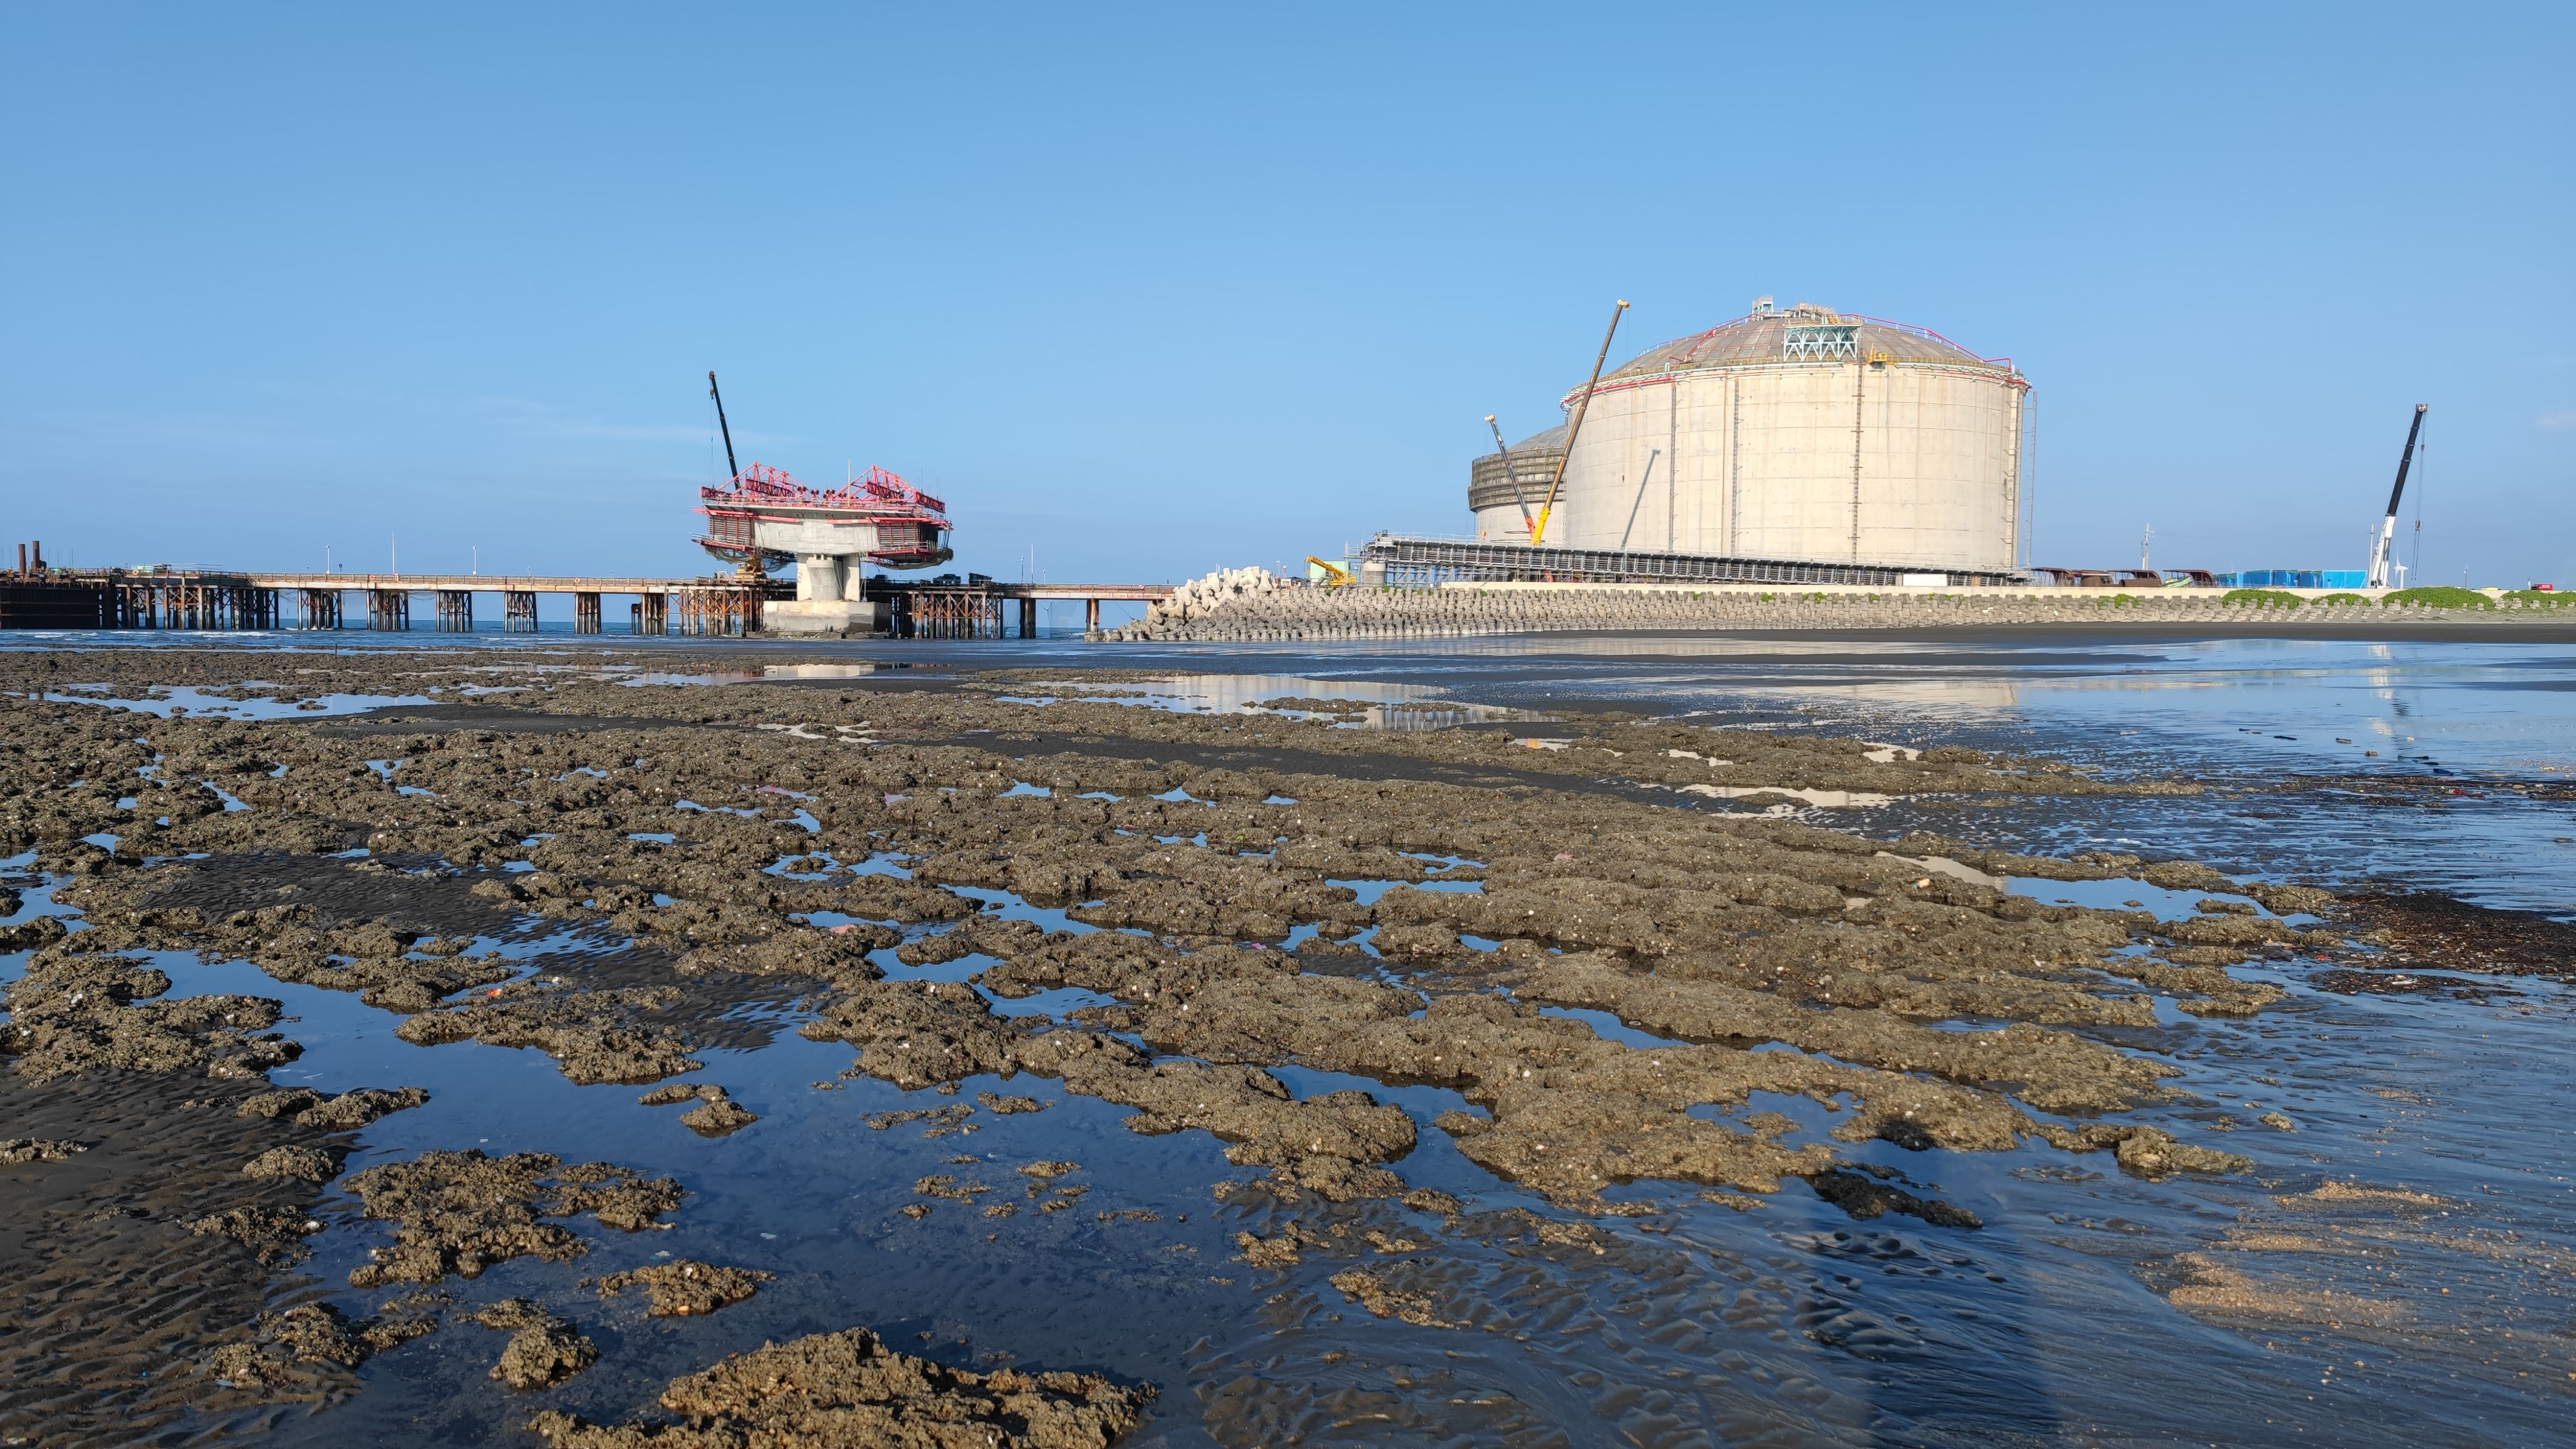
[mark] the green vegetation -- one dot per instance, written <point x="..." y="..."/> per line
<point x="2264" y="598"/>
<point x="2121" y="601"/>
<point x="2440" y="597"/>
<point x="2340" y="599"/>
<point x="2547" y="599"/>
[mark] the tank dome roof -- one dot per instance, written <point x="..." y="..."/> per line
<point x="1803" y="333"/>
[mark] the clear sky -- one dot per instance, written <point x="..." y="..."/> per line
<point x="1154" y="291"/>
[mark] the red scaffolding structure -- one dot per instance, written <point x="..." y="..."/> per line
<point x="911" y="526"/>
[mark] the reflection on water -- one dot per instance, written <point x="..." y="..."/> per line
<point x="1356" y="704"/>
<point x="2468" y="788"/>
<point x="163" y="700"/>
<point x="765" y="674"/>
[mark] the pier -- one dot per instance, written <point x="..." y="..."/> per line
<point x="946" y="607"/>
<point x="980" y="608"/>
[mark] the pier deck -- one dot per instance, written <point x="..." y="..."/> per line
<point x="216" y="599"/>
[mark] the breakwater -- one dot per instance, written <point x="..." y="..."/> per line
<point x="1251" y="605"/>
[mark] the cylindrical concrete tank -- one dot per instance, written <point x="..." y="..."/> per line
<point x="1490" y="496"/>
<point x="1802" y="434"/>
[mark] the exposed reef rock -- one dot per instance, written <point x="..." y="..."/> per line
<point x="459" y="1212"/>
<point x="847" y="1390"/>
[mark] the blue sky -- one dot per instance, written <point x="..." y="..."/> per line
<point x="1153" y="291"/>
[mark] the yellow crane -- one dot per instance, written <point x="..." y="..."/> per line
<point x="1335" y="576"/>
<point x="1574" y="429"/>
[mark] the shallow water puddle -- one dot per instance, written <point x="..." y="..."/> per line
<point x="1347" y="704"/>
<point x="766" y="674"/>
<point x="1610" y="1028"/>
<point x="162" y="700"/>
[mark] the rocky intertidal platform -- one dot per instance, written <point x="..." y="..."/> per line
<point x="1609" y="988"/>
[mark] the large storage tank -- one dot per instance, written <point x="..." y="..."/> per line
<point x="1800" y="434"/>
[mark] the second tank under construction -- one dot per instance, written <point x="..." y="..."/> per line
<point x="1802" y="434"/>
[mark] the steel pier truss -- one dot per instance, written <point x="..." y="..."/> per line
<point x="1415" y="562"/>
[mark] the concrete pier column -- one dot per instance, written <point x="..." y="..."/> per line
<point x="389" y="610"/>
<point x="1028" y="618"/>
<point x="585" y="613"/>
<point x="519" y="611"/>
<point x="1091" y="616"/>
<point x="830" y="599"/>
<point x="821" y="577"/>
<point x="653" y="614"/>
<point x="456" y="611"/>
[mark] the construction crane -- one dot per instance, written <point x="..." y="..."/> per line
<point x="731" y="469"/>
<point x="754" y="563"/>
<point x="762" y="519"/>
<point x="1335" y="576"/>
<point x="2382" y="543"/>
<point x="1574" y="428"/>
<point x="1504" y="452"/>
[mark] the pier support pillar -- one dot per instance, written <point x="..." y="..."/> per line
<point x="455" y="611"/>
<point x="585" y="613"/>
<point x="653" y="614"/>
<point x="1091" y="616"/>
<point x="519" y="611"/>
<point x="389" y="610"/>
<point x="831" y="598"/>
<point x="1028" y="618"/>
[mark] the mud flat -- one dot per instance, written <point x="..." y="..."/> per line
<point x="1416" y="1016"/>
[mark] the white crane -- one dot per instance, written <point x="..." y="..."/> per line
<point x="2383" y="542"/>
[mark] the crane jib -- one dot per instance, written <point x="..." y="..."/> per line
<point x="732" y="470"/>
<point x="2406" y="459"/>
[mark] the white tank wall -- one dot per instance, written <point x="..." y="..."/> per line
<point x="1757" y="462"/>
<point x="1501" y="525"/>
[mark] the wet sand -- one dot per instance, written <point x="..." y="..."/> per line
<point x="1457" y="1033"/>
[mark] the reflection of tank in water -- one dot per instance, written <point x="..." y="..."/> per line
<point x="1800" y="434"/>
<point x="760" y="519"/>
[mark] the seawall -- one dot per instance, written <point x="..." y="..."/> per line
<point x="1251" y="609"/>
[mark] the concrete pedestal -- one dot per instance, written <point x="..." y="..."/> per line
<point x="840" y="618"/>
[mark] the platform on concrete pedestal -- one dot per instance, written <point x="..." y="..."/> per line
<point x="838" y="617"/>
